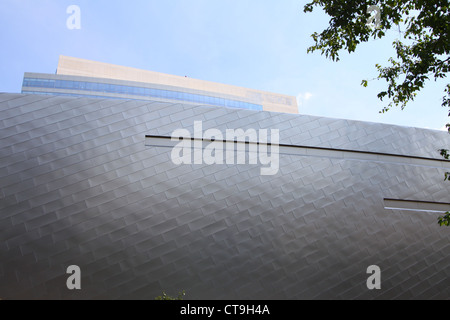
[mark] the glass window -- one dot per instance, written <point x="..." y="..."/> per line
<point x="101" y="87"/>
<point x="59" y="84"/>
<point x="68" y="84"/>
<point x="129" y="90"/>
<point x="114" y="88"/>
<point x="89" y="86"/>
<point x="36" y="83"/>
<point x="122" y="90"/>
<point x="226" y="102"/>
<point x="73" y="85"/>
<point x="31" y="83"/>
<point x="136" y="91"/>
<point x="173" y="95"/>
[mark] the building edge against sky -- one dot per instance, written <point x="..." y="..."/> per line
<point x="90" y="182"/>
<point x="87" y="182"/>
<point x="92" y="71"/>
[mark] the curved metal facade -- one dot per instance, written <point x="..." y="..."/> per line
<point x="80" y="185"/>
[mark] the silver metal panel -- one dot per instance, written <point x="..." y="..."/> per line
<point x="80" y="184"/>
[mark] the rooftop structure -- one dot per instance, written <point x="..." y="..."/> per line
<point x="79" y="77"/>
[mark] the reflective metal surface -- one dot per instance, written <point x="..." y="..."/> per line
<point x="81" y="185"/>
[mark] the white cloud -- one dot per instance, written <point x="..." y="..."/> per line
<point x="303" y="97"/>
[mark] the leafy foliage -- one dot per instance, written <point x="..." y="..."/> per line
<point x="445" y="220"/>
<point x="164" y="296"/>
<point x="422" y="54"/>
<point x="446" y="155"/>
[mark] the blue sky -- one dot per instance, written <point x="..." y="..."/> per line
<point x="259" y="44"/>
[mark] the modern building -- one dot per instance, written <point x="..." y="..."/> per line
<point x="91" y="182"/>
<point x="79" y="77"/>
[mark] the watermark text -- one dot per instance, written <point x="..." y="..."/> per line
<point x="235" y="146"/>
